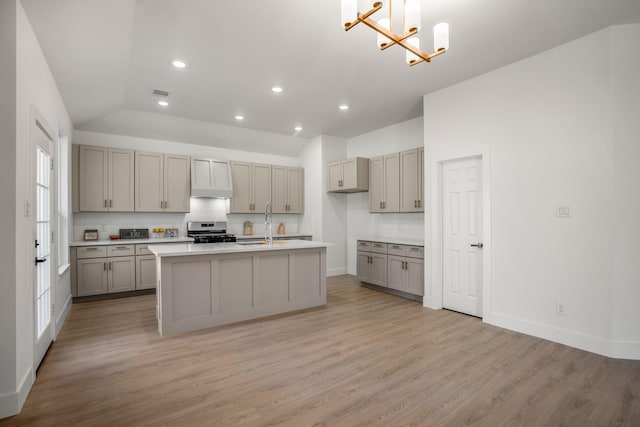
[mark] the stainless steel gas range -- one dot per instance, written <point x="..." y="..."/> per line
<point x="209" y="232"/>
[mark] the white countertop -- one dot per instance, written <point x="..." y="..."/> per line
<point x="131" y="241"/>
<point x="261" y="236"/>
<point x="224" y="248"/>
<point x="394" y="240"/>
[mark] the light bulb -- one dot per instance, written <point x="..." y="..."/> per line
<point x="349" y="12"/>
<point x="412" y="16"/>
<point x="441" y="36"/>
<point x="410" y="56"/>
<point x="381" y="39"/>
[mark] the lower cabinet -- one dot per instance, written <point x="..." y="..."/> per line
<point x="146" y="272"/>
<point x="393" y="266"/>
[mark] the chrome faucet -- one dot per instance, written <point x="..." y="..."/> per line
<point x="268" y="224"/>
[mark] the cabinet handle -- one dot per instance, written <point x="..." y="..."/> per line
<point x="104" y="266"/>
<point x="121" y="247"/>
<point x="380" y="205"/>
<point x="109" y="265"/>
<point x="110" y="203"/>
<point x="419" y="203"/>
<point x="105" y="203"/>
<point x="91" y="249"/>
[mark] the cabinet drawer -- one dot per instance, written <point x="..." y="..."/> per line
<point x="398" y="250"/>
<point x="120" y="250"/>
<point x="143" y="250"/>
<point x="415" y="252"/>
<point x="364" y="246"/>
<point x="91" y="252"/>
<point x="378" y="247"/>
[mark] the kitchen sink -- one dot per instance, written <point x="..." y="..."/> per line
<point x="275" y="242"/>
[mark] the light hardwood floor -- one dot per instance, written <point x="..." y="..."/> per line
<point x="366" y="359"/>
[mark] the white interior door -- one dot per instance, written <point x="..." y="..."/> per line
<point x="43" y="300"/>
<point x="462" y="236"/>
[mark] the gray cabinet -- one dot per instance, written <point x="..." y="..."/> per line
<point x="411" y="180"/>
<point x="251" y="187"/>
<point x="210" y="176"/>
<point x="105" y="179"/>
<point x="372" y="262"/>
<point x="145" y="272"/>
<point x="287" y="189"/>
<point x="384" y="184"/>
<point x="102" y="269"/>
<point x="393" y="266"/>
<point x="162" y="182"/>
<point x="348" y="176"/>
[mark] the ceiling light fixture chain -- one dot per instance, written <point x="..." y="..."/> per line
<point x="383" y="26"/>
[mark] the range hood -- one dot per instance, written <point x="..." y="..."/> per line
<point x="211" y="178"/>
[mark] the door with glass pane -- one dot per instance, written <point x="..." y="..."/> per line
<point x="43" y="302"/>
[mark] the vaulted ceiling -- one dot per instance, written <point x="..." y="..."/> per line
<point x="108" y="56"/>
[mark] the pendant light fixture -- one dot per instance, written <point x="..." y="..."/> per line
<point x="383" y="25"/>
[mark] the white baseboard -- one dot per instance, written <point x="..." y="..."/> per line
<point x="593" y="344"/>
<point x="336" y="271"/>
<point x="11" y="403"/>
<point x="61" y="317"/>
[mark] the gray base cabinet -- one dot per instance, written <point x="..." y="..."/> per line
<point x="396" y="267"/>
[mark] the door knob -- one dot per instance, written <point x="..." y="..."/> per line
<point x="477" y="245"/>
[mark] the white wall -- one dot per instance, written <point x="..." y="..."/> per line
<point x="34" y="87"/>
<point x="547" y="124"/>
<point x="625" y="69"/>
<point x="360" y="223"/>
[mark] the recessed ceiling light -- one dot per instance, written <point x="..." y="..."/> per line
<point x="239" y="117"/>
<point x="178" y="63"/>
<point x="276" y="89"/>
<point x="163" y="103"/>
<point x="344" y="107"/>
<point x="297" y="128"/>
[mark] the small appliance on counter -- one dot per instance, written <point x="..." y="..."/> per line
<point x="209" y="232"/>
<point x="281" y="228"/>
<point x="134" y="233"/>
<point x="248" y="228"/>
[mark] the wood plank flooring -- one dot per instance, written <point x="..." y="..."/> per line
<point x="366" y="359"/>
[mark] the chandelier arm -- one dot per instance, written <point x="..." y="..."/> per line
<point x="395" y="39"/>
<point x="363" y="16"/>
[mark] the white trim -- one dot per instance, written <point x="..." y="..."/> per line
<point x="62" y="316"/>
<point x="625" y="350"/>
<point x="433" y="264"/>
<point x="338" y="271"/>
<point x="62" y="270"/>
<point x="11" y="403"/>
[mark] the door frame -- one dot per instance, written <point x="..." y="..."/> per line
<point x="433" y="216"/>
<point x="40" y="124"/>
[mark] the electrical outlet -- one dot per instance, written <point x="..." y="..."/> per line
<point x="560" y="309"/>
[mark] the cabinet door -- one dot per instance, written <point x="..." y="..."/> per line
<point x="378" y="269"/>
<point x="279" y="189"/>
<point x="409" y="181"/>
<point x="391" y="183"/>
<point x="396" y="273"/>
<point x="177" y="183"/>
<point x="261" y="187"/>
<point x="122" y="274"/>
<point x="92" y="276"/>
<point x="295" y="190"/>
<point x="334" y="176"/>
<point x="121" y="180"/>
<point x="149" y="182"/>
<point x="350" y="173"/>
<point x="363" y="266"/>
<point x="93" y="184"/>
<point x="146" y="272"/>
<point x="376" y="184"/>
<point x="241" y="180"/>
<point x="420" y="179"/>
<point x="415" y="276"/>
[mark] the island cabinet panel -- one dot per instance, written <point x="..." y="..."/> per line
<point x="271" y="280"/>
<point x="234" y="284"/>
<point x="197" y="291"/>
<point x="193" y="297"/>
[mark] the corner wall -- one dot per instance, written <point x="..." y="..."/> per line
<point x="547" y="123"/>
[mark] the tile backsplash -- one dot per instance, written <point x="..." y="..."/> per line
<point x="201" y="210"/>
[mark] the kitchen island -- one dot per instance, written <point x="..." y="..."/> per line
<point x="203" y="285"/>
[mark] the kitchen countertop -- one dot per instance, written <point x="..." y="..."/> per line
<point x="131" y="241"/>
<point x="225" y="248"/>
<point x="261" y="236"/>
<point x="394" y="240"/>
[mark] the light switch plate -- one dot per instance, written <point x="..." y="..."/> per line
<point x="563" y="212"/>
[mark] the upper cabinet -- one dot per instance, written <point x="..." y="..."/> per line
<point x="348" y="176"/>
<point x="162" y="182"/>
<point x="287" y="189"/>
<point x="105" y="179"/>
<point x="384" y="183"/>
<point x="396" y="182"/>
<point x="411" y="180"/>
<point x="251" y="187"/>
<point x="210" y="178"/>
